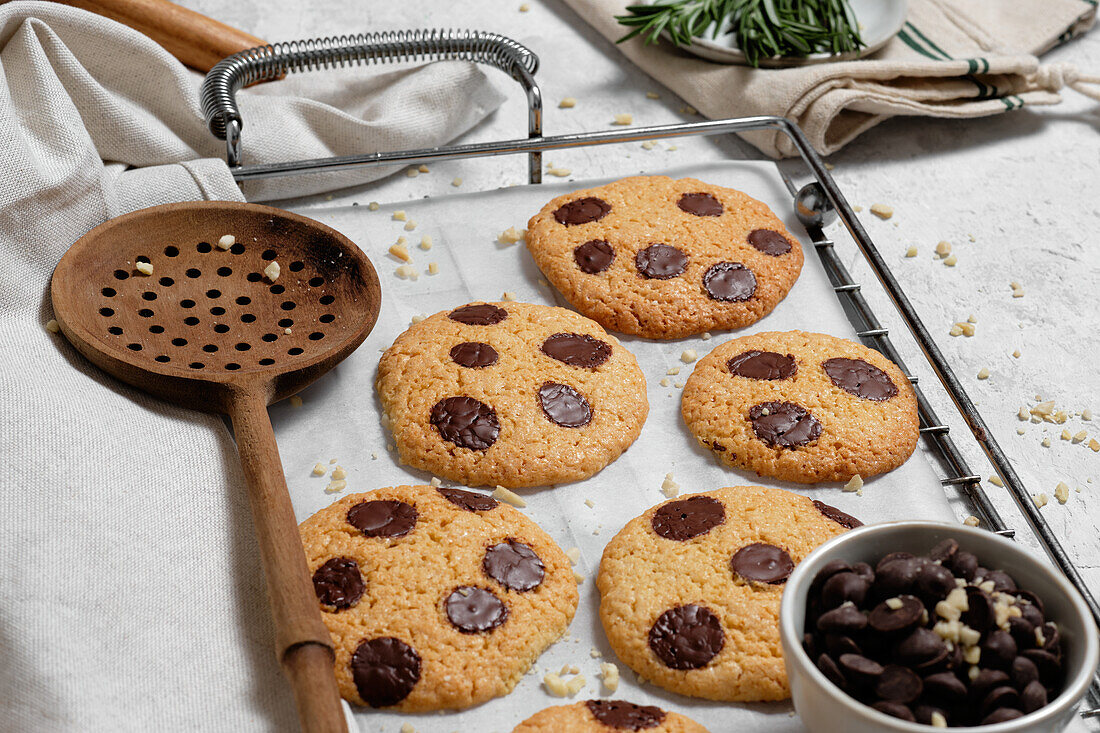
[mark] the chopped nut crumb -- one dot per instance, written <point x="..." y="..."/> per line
<point x="1017" y="289"/>
<point x="894" y="603"/>
<point x="971" y="521"/>
<point x="652" y="95"/>
<point x="678" y="385"/>
<point x="456" y="182"/>
<point x="1094" y="445"/>
<point x="1023" y="414"/>
<point x="524" y="8"/>
<point x="407" y="728"/>
<point x="943" y="248"/>
<point x="287" y="331"/>
<point x="1043" y="409"/>
<point x="423" y="168"/>
<point x="412" y="173"/>
<point x="589" y="503"/>
<point x="318" y="469"/>
<point x="295" y="401"/>
<point x="669" y="487"/>
<point x="623" y="118"/>
<point x="1020" y="431"/>
<point x="574" y="555"/>
<point x="1066" y="435"/>
<point x="271" y="272"/>
<point x="972" y="318"/>
<point x="508" y="497"/>
<point x="829" y="166"/>
<point x="1016" y="354"/>
<point x="882" y="211"/>
<point x="687" y="109"/>
<point x="855" y="484"/>
<point x="648" y="145"/>
<point x="1079" y="436"/>
<point x="951" y="260"/>
<point x="511" y="235"/>
<point x="968" y="329"/>
<point x="433" y="268"/>
<point x="567" y="103"/>
<point x="339" y="473"/>
<point x="1061" y="492"/>
<point x="610" y="674"/>
<point x="52" y="326"/>
<point x="665" y="382"/>
<point x="1086" y="414"/>
<point x="706" y="336"/>
<point x="373" y="206"/>
<point x="983" y="374"/>
<point x="426" y="242"/>
<point x="673" y="147"/>
<point x="407" y="272"/>
<point x="508" y="295"/>
<point x="996" y="481"/>
<point x="559" y="172"/>
<point x="595" y="653"/>
<point x="401" y="252"/>
<point x="145" y="268"/>
<point x="956" y="330"/>
<point x="912" y="251"/>
<point x="335" y="486"/>
<point x="937" y="719"/>
<point x="688" y="356"/>
<point x="410" y="225"/>
<point x="857" y="209"/>
<point x="558" y="687"/>
<point x="226" y="241"/>
<point x="399" y="215"/>
<point x="1046" y="442"/>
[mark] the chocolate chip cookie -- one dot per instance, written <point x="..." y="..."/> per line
<point x="690" y="590"/>
<point x="802" y="407"/>
<point x="435" y="598"/>
<point x="605" y="716"/>
<point x="665" y="258"/>
<point x="511" y="394"/>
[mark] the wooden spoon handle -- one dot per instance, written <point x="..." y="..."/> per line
<point x="302" y="642"/>
<point x="194" y="39"/>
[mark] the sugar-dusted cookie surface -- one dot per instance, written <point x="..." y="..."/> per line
<point x="435" y="598"/>
<point x="802" y="407"/>
<point x="690" y="590"/>
<point x="665" y="258"/>
<point x="607" y="716"/>
<point x="511" y="394"/>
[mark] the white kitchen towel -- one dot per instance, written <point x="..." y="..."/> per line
<point x="131" y="594"/>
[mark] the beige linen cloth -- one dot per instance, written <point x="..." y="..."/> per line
<point x="952" y="58"/>
<point x="131" y="594"/>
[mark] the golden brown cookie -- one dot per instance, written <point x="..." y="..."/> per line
<point x="435" y="598"/>
<point x="690" y="590"/>
<point x="607" y="716"/>
<point x="665" y="258"/>
<point x="802" y="407"/>
<point x="511" y="394"/>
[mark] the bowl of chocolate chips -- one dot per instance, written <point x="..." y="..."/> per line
<point x="902" y="626"/>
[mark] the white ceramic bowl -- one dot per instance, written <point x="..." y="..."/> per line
<point x="826" y="709"/>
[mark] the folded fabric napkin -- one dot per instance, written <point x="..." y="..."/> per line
<point x="952" y="58"/>
<point x="131" y="593"/>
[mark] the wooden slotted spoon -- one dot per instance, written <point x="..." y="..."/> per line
<point x="208" y="330"/>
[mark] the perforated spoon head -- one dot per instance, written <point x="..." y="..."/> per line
<point x="208" y="323"/>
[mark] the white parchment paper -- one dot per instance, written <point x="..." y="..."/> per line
<point x="339" y="419"/>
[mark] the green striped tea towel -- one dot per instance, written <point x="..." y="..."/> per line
<point x="952" y="58"/>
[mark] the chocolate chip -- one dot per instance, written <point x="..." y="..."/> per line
<point x="1050" y="669"/>
<point x="899" y="684"/>
<point x="577" y="350"/>
<point x="944" y="687"/>
<point x="846" y="619"/>
<point x="855" y="376"/>
<point x="860" y="668"/>
<point x="1033" y="697"/>
<point x="482" y="314"/>
<point x="594" y="256"/>
<point x="784" y="424"/>
<point x="385" y="671"/>
<point x="838" y="645"/>
<point x="763" y="563"/>
<point x="895" y="709"/>
<point x="934" y="582"/>
<point x="1027" y="598"/>
<point x="582" y="211"/>
<point x="809" y="645"/>
<point x="730" y="282"/>
<point x="466" y="422"/>
<point x="1001" y="715"/>
<point x="986" y="680"/>
<point x="474" y="355"/>
<point x="514" y="565"/>
<point x="1052" y="639"/>
<point x="998" y="650"/>
<point x="862" y="569"/>
<point x="661" y="262"/>
<point x="687" y="637"/>
<point x="831" y="512"/>
<point x="827" y="571"/>
<point x="964" y="564"/>
<point x="980" y="613"/>
<point x="1022" y="630"/>
<point x="681" y="520"/>
<point x="625" y="715"/>
<point x="769" y="242"/>
<point x="383" y="518"/>
<point x="1032" y="614"/>
<point x="944" y="551"/>
<point x="1000" y="697"/>
<point x="468" y="500"/>
<point x="844" y="587"/>
<point x="763" y="365"/>
<point x="896" y="575"/>
<point x="472" y="610"/>
<point x="338" y="583"/>
<point x="564" y="405"/>
<point x="922" y="647"/>
<point x="890" y="620"/>
<point x="1023" y="672"/>
<point x="700" y="204"/>
<point x="830" y="669"/>
<point x="1002" y="581"/>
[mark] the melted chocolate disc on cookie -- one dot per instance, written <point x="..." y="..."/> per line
<point x="472" y="610"/>
<point x="831" y="512"/>
<point x="514" y="565"/>
<point x="577" y="350"/>
<point x="468" y="500"/>
<point x="385" y="671"/>
<point x="763" y="563"/>
<point x="769" y="242"/>
<point x="855" y="376"/>
<point x="593" y="256"/>
<point x="482" y="314"/>
<point x="661" y="262"/>
<point x="383" y="518"/>
<point x="466" y="422"/>
<point x="338" y="583"/>
<point x="784" y="424"/>
<point x="687" y="637"/>
<point x="582" y="211"/>
<point x="687" y="518"/>
<point x="700" y="204"/>
<point x="731" y="282"/>
<point x="625" y="715"/>
<point x="763" y="365"/>
<point x="474" y="355"/>
<point x="564" y="405"/>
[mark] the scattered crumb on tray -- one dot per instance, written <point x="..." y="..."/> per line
<point x="319" y="469"/>
<point x="509" y="497"/>
<point x="882" y="211"/>
<point x="623" y="118"/>
<point x="511" y="235"/>
<point x="52" y="326"/>
<point x="399" y="215"/>
<point x="567" y="103"/>
<point x="688" y="356"/>
<point x="226" y="241"/>
<point x="271" y="272"/>
<point x="145" y="268"/>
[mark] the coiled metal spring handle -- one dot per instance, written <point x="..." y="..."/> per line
<point x="219" y="88"/>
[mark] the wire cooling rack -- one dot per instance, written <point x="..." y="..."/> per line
<point x="272" y="62"/>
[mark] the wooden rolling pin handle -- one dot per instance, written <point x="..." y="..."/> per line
<point x="302" y="641"/>
<point x="197" y="41"/>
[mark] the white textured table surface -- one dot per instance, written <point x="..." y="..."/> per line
<point x="1017" y="196"/>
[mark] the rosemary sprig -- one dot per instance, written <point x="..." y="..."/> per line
<point x="763" y="28"/>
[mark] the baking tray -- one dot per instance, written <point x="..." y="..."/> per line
<point x="271" y="62"/>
